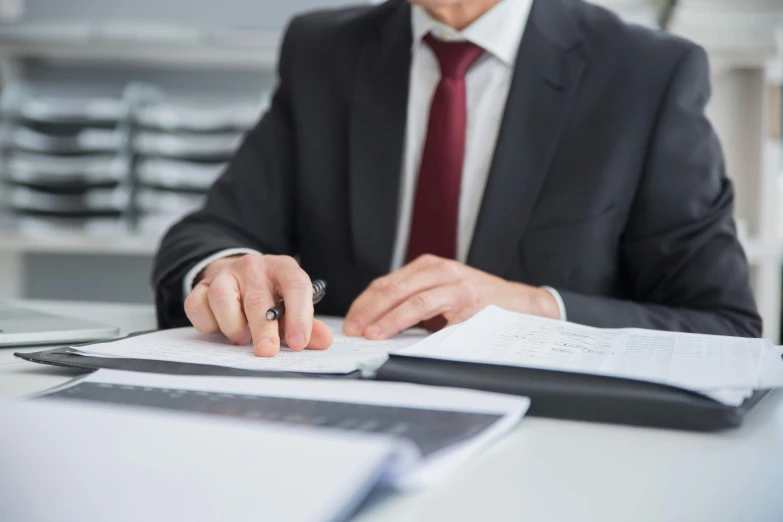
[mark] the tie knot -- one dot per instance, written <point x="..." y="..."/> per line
<point x="455" y="58"/>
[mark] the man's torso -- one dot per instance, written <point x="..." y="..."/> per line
<point x="569" y="158"/>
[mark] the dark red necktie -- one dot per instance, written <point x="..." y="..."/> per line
<point x="436" y="206"/>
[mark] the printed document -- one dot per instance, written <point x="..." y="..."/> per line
<point x="706" y="363"/>
<point x="187" y="345"/>
<point x="87" y="462"/>
<point x="445" y="425"/>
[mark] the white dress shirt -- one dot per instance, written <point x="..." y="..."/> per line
<point x="499" y="32"/>
<point x="487" y="83"/>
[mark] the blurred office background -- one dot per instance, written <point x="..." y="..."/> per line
<point x="116" y="116"/>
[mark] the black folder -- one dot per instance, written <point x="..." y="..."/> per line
<point x="577" y="396"/>
<point x="554" y="394"/>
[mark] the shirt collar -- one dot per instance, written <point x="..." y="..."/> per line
<point x="498" y="31"/>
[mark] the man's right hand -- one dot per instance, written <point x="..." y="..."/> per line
<point x="234" y="294"/>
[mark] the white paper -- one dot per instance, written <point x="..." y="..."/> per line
<point x="186" y="345"/>
<point x="98" y="463"/>
<point x="771" y="367"/>
<point x="690" y="361"/>
<point x="729" y="396"/>
<point x="431" y="469"/>
<point x="770" y="375"/>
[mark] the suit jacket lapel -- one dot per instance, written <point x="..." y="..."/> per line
<point x="545" y="81"/>
<point x="377" y="129"/>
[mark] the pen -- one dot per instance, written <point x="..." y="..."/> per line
<point x="319" y="291"/>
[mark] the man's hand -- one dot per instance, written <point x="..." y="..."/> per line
<point x="235" y="293"/>
<point x="432" y="287"/>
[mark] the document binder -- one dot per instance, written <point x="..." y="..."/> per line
<point x="94" y="200"/>
<point x="87" y="140"/>
<point x="66" y="357"/>
<point x="156" y="201"/>
<point x="207" y="147"/>
<point x="41" y="224"/>
<point x="178" y="116"/>
<point x="32" y="169"/>
<point x="577" y="396"/>
<point x="554" y="394"/>
<point x="79" y="107"/>
<point x="178" y="175"/>
<point x="87" y="111"/>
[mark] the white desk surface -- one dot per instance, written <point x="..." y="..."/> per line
<point x="549" y="470"/>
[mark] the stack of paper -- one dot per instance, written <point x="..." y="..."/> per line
<point x="727" y="369"/>
<point x="186" y="345"/>
<point x="445" y="425"/>
<point x="69" y="461"/>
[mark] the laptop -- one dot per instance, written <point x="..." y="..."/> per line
<point x="23" y="327"/>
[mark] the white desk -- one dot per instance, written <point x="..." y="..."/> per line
<point x="549" y="470"/>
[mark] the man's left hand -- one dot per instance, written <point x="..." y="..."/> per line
<point x="432" y="287"/>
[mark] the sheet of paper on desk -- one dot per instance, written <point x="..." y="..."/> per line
<point x="66" y="460"/>
<point x="726" y="368"/>
<point x="771" y="367"/>
<point x="186" y="345"/>
<point x="445" y="425"/>
<point x="770" y="375"/>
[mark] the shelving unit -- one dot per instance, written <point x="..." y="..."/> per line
<point x="189" y="60"/>
<point x="74" y="243"/>
<point x="87" y="44"/>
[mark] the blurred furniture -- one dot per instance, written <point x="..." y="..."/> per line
<point x="199" y="55"/>
<point x="548" y="469"/>
<point x="196" y="52"/>
<point x="109" y="133"/>
<point x="740" y="37"/>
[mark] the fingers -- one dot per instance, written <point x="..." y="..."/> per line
<point x="383" y="294"/>
<point x="437" y="323"/>
<point x="225" y="301"/>
<point x="258" y="296"/>
<point x="321" y="337"/>
<point x="198" y="310"/>
<point x="266" y="337"/>
<point x="388" y="292"/>
<point x="295" y="287"/>
<point x="234" y="300"/>
<point x="419" y="307"/>
<point x="460" y="316"/>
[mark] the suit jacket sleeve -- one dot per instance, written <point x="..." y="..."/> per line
<point x="684" y="268"/>
<point x="250" y="206"/>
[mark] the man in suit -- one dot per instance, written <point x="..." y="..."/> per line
<point x="430" y="158"/>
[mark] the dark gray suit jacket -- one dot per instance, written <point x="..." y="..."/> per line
<point x="607" y="183"/>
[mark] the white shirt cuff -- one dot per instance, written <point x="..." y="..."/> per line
<point x="187" y="283"/>
<point x="559" y="300"/>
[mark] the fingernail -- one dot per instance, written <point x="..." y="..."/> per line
<point x="373" y="332"/>
<point x="264" y="345"/>
<point x="296" y="340"/>
<point x="352" y="328"/>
